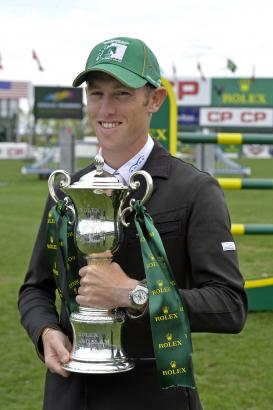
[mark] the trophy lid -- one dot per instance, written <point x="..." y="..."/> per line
<point x="99" y="179"/>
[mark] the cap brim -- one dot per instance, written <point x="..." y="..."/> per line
<point x="126" y="77"/>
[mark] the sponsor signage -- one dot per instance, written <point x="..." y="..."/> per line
<point x="257" y="151"/>
<point x="164" y="122"/>
<point x="58" y="102"/>
<point x="14" y="150"/>
<point x="192" y="91"/>
<point x="236" y="117"/>
<point x="188" y="115"/>
<point x="244" y="92"/>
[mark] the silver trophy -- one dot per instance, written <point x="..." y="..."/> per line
<point x="96" y="206"/>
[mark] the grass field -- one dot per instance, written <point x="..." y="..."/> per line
<point x="233" y="372"/>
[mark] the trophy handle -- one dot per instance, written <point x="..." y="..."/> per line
<point x="65" y="182"/>
<point x="135" y="185"/>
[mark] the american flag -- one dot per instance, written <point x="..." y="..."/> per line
<point x="14" y="90"/>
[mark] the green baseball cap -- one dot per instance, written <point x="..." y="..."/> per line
<point x="129" y="60"/>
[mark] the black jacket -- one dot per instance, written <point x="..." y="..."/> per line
<point x="189" y="211"/>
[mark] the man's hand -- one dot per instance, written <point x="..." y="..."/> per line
<point x="104" y="286"/>
<point x="56" y="351"/>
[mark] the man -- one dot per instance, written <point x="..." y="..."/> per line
<point x="189" y="211"/>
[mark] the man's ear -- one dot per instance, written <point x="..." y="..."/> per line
<point x="157" y="97"/>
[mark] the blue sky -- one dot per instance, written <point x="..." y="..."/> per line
<point x="180" y="32"/>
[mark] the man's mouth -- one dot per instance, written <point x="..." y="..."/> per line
<point x="109" y="125"/>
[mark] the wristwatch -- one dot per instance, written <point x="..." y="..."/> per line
<point x="139" y="296"/>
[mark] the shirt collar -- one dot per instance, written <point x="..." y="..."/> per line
<point x="134" y="164"/>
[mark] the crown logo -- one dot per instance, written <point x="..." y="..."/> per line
<point x="165" y="310"/>
<point x="160" y="283"/>
<point x="152" y="257"/>
<point x="169" y="336"/>
<point x="245" y="85"/>
<point x="51" y="239"/>
<point x="173" y="364"/>
<point x="49" y="214"/>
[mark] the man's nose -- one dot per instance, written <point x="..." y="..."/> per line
<point x="107" y="106"/>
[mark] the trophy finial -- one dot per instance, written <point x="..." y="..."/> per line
<point x="99" y="162"/>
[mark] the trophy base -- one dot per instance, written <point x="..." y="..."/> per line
<point x="98" y="367"/>
<point x="97" y="342"/>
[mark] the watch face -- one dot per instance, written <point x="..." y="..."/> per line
<point x="139" y="297"/>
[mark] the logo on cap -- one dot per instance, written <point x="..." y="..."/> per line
<point x="113" y="51"/>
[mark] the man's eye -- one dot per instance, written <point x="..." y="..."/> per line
<point x="95" y="93"/>
<point x="123" y="93"/>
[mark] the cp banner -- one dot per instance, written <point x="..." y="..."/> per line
<point x="192" y="91"/>
<point x="236" y="117"/>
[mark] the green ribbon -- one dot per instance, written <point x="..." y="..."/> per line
<point x="169" y="322"/>
<point x="62" y="255"/>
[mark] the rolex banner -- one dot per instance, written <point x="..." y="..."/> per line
<point x="62" y="255"/>
<point x="169" y="321"/>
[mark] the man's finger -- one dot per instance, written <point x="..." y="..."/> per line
<point x="58" y="369"/>
<point x="63" y="355"/>
<point x="82" y="272"/>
